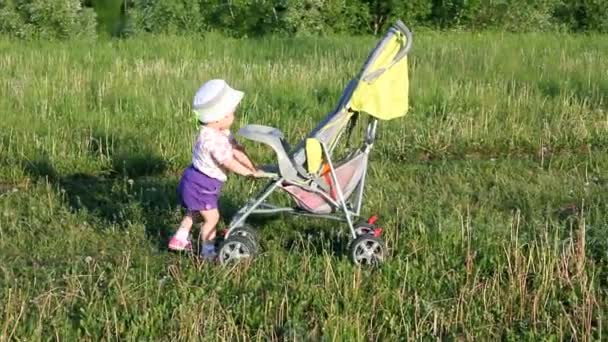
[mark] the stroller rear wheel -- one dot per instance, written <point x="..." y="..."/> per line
<point x="235" y="248"/>
<point x="367" y="250"/>
<point x="247" y="232"/>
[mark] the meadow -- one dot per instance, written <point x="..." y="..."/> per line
<point x="492" y="192"/>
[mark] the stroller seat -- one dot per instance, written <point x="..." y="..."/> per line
<point x="348" y="172"/>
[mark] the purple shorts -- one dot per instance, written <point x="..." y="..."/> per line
<point x="197" y="191"/>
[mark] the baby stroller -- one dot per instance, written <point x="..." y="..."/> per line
<point x="320" y="185"/>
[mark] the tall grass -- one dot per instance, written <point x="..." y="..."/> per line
<point x="491" y="191"/>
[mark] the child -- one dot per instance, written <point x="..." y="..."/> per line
<point x="214" y="152"/>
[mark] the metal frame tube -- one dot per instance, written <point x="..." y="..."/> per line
<point x="339" y="191"/>
<point x="244" y="212"/>
<point x="370" y="139"/>
<point x="324" y="216"/>
<point x="271" y="211"/>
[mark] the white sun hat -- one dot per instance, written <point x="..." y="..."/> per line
<point x="214" y="100"/>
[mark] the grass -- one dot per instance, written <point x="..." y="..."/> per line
<point x="492" y="192"/>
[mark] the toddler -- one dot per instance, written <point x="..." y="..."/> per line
<point x="215" y="152"/>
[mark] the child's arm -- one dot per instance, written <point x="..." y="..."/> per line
<point x="235" y="166"/>
<point x="231" y="158"/>
<point x="239" y="152"/>
<point x="242" y="158"/>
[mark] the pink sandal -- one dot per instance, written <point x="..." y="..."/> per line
<point x="176" y="244"/>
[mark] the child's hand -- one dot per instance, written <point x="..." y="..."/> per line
<point x="259" y="173"/>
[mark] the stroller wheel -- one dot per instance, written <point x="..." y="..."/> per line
<point x="235" y="248"/>
<point x="364" y="228"/>
<point x="249" y="233"/>
<point x="367" y="250"/>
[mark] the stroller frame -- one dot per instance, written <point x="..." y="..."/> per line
<point x="348" y="214"/>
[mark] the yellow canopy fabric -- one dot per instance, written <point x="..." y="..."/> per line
<point x="384" y="97"/>
<point x="314" y="155"/>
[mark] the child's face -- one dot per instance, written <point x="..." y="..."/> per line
<point x="227" y="121"/>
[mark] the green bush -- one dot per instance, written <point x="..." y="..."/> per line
<point x="10" y="21"/>
<point x="110" y="15"/>
<point x="318" y="17"/>
<point x="385" y="12"/>
<point x="511" y="15"/>
<point x="584" y="15"/>
<point x="46" y="19"/>
<point x="349" y="16"/>
<point x="166" y="16"/>
<point x="251" y="17"/>
<point x="243" y="18"/>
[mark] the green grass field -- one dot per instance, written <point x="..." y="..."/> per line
<point x="492" y="192"/>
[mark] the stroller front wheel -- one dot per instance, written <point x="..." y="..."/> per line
<point x="249" y="233"/>
<point x="235" y="248"/>
<point x="367" y="250"/>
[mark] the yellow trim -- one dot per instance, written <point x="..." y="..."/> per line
<point x="314" y="155"/>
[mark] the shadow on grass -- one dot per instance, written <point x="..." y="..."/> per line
<point x="118" y="199"/>
<point x="142" y="193"/>
<point x="137" y="188"/>
<point x="319" y="239"/>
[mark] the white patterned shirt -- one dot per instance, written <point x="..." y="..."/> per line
<point x="211" y="148"/>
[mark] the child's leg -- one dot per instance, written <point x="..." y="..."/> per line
<point x="184" y="227"/>
<point x="179" y="241"/>
<point x="208" y="230"/>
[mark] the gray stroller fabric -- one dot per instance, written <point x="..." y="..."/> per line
<point x="349" y="174"/>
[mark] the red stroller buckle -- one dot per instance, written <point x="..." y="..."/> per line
<point x="372" y="219"/>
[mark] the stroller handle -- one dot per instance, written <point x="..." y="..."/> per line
<point x="400" y="26"/>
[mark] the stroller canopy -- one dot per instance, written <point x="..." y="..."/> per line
<point x="379" y="90"/>
<point x="382" y="86"/>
